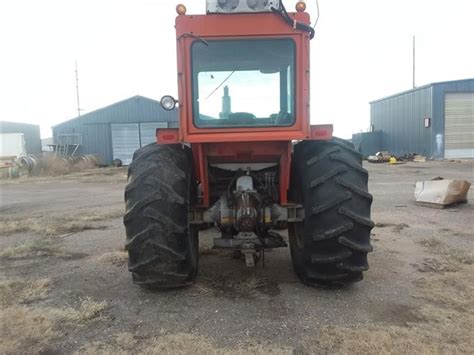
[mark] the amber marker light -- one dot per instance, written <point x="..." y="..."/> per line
<point x="300" y="6"/>
<point x="181" y="9"/>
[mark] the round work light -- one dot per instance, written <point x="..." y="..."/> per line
<point x="181" y="9"/>
<point x="168" y="102"/>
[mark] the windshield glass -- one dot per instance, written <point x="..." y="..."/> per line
<point x="244" y="83"/>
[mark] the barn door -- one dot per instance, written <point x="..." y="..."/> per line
<point x="148" y="131"/>
<point x="125" y="141"/>
<point x="459" y="125"/>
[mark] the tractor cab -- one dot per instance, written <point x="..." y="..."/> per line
<point x="243" y="67"/>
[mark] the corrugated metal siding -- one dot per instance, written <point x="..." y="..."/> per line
<point x="30" y="131"/>
<point x="401" y="120"/>
<point x="96" y="139"/>
<point x="368" y="143"/>
<point x="148" y="132"/>
<point x="135" y="109"/>
<point x="95" y="127"/>
<point x="125" y="141"/>
<point x="75" y="128"/>
<point x="401" y="116"/>
<point x="459" y="125"/>
<point x="439" y="92"/>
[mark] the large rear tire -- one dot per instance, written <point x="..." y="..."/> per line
<point x="162" y="245"/>
<point x="331" y="245"/>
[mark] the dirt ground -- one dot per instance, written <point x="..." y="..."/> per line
<point x="65" y="288"/>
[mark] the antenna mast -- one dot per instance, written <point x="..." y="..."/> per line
<point x="77" y="92"/>
<point x="414" y="86"/>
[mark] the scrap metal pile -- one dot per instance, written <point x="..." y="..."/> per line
<point x="47" y="164"/>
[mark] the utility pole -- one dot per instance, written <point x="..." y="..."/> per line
<point x="77" y="93"/>
<point x="414" y="86"/>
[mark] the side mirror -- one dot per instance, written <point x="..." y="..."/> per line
<point x="168" y="102"/>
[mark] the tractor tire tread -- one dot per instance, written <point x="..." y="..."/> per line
<point x="322" y="179"/>
<point x="353" y="188"/>
<point x="333" y="241"/>
<point x="317" y="209"/>
<point x="366" y="248"/>
<point x="333" y="232"/>
<point x="346" y="145"/>
<point x="352" y="268"/>
<point x="319" y="157"/>
<point x="350" y="163"/>
<point x="330" y="258"/>
<point x="356" y="217"/>
<point x="161" y="244"/>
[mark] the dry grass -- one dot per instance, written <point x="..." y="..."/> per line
<point x="446" y="316"/>
<point x="396" y="227"/>
<point x="104" y="175"/>
<point x="33" y="247"/>
<point x="26" y="329"/>
<point x="50" y="165"/>
<point x="450" y="291"/>
<point x="118" y="258"/>
<point x="87" y="311"/>
<point x="446" y="328"/>
<point x="23" y="291"/>
<point x="380" y="340"/>
<point x="50" y="225"/>
<point x="437" y="265"/>
<point x="440" y="248"/>
<point x="180" y="343"/>
<point x="93" y="175"/>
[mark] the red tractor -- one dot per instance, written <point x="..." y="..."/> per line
<point x="245" y="157"/>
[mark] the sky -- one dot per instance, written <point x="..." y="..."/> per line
<point x="362" y="51"/>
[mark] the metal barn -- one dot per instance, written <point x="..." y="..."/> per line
<point x="436" y="120"/>
<point x="115" y="131"/>
<point x="31" y="133"/>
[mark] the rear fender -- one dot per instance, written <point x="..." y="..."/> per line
<point x="167" y="135"/>
<point x="321" y="132"/>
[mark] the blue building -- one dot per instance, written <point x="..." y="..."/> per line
<point x="436" y="120"/>
<point x="115" y="131"/>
